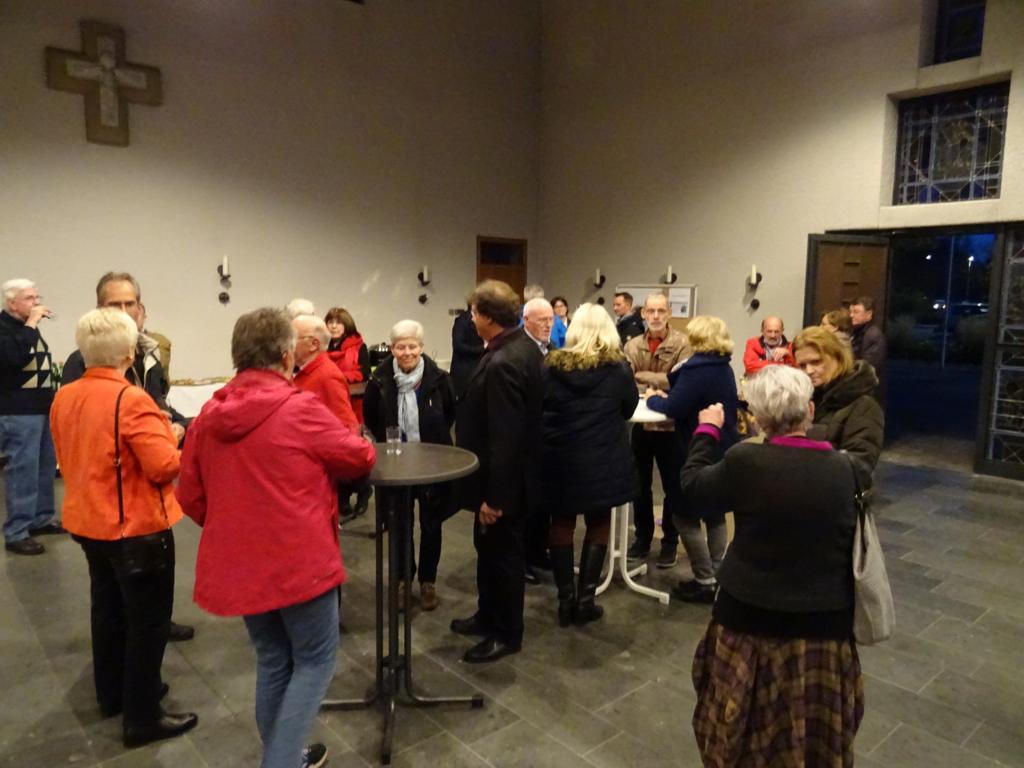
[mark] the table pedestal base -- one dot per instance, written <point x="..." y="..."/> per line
<point x="618" y="545"/>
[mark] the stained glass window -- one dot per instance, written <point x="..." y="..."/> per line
<point x="950" y="146"/>
<point x="1006" y="421"/>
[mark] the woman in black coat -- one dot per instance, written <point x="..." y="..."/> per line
<point x="408" y="390"/>
<point x="588" y="468"/>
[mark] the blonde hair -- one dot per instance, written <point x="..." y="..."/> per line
<point x="592" y="334"/>
<point x="407" y="329"/>
<point x="709" y="334"/>
<point x="826" y="344"/>
<point x="106" y="336"/>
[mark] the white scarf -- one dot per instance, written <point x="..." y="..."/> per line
<point x="408" y="408"/>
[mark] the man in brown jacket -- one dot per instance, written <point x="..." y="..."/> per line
<point x="651" y="357"/>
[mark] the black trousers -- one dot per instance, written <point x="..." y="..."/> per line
<point x="131" y="616"/>
<point x="500" y="569"/>
<point x="538" y="527"/>
<point x="431" y="519"/>
<point x="661" y="447"/>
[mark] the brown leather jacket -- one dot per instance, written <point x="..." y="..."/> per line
<point x="652" y="370"/>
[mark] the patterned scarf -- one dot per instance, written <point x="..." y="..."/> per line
<point x="408" y="408"/>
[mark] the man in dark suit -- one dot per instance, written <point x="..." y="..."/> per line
<point x="498" y="419"/>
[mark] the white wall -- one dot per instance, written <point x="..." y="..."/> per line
<point x="712" y="135"/>
<point x="329" y="149"/>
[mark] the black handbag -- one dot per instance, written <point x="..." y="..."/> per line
<point x="152" y="553"/>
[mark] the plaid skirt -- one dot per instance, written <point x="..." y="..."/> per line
<point x="776" y="702"/>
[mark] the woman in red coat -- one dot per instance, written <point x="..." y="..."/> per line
<point x="258" y="474"/>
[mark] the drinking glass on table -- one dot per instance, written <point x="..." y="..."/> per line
<point x="393" y="437"/>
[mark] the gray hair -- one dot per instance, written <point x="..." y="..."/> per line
<point x="260" y="339"/>
<point x="13" y="287"/>
<point x="316" y="327"/>
<point x="779" y="397"/>
<point x="537" y="302"/>
<point x="116" y="277"/>
<point x="298" y="307"/>
<point x="106" y="336"/>
<point x="533" y="291"/>
<point x="407" y="329"/>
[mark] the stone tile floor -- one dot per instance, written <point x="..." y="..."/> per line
<point x="947" y="690"/>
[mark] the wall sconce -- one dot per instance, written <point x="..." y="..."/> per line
<point x="424" y="277"/>
<point x="600" y="300"/>
<point x="224" y="271"/>
<point x="669" y="277"/>
<point x="754" y="280"/>
<point x="423" y="298"/>
<point x="599" y="278"/>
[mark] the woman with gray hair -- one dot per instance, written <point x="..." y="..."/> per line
<point x="409" y="391"/>
<point x="259" y="473"/>
<point x="777" y="674"/>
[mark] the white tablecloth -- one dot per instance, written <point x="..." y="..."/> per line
<point x="644" y="415"/>
<point x="189" y="400"/>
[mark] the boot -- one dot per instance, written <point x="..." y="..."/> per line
<point x="561" y="567"/>
<point x="591" y="563"/>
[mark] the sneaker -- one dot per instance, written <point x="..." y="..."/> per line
<point x="667" y="558"/>
<point x="695" y="592"/>
<point x="314" y="756"/>
<point x="637" y="552"/>
<point x="428" y="596"/>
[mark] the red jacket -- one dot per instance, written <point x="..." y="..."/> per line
<point x="754" y="355"/>
<point x="258" y="474"/>
<point x="322" y="377"/>
<point x="82" y="422"/>
<point x="347" y="358"/>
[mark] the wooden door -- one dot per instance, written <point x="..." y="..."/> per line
<point x="842" y="267"/>
<point x="501" y="258"/>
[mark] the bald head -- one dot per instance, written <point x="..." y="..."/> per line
<point x="772" y="330"/>
<point x="538" y="319"/>
<point x="312" y="337"/>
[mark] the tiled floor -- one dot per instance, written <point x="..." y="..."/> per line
<point x="948" y="690"/>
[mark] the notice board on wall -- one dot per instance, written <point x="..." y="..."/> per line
<point x="681" y="298"/>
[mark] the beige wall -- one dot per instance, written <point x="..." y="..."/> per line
<point x="711" y="136"/>
<point x="329" y="149"/>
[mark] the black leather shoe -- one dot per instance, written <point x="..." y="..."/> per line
<point x="470" y="627"/>
<point x="25" y="547"/>
<point x="168" y="726"/>
<point x="490" y="649"/>
<point x="110" y="711"/>
<point x="530" y="577"/>
<point x="49" y="529"/>
<point x="179" y="633"/>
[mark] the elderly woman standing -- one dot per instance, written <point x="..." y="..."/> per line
<point x="258" y="474"/>
<point x="845" y="409"/>
<point x="408" y="390"/>
<point x="589" y="394"/>
<point x="777" y="675"/>
<point x="119" y="457"/>
<point x="705" y="378"/>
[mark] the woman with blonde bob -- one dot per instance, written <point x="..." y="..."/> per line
<point x="845" y="410"/>
<point x="119" y="458"/>
<point x="777" y="675"/>
<point x="705" y="378"/>
<point x="589" y="395"/>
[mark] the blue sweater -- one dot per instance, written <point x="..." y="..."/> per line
<point x="703" y="380"/>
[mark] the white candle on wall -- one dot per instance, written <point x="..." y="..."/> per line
<point x="224" y="267"/>
<point x="426" y="274"/>
<point x="597" y="276"/>
<point x="668" y="273"/>
<point x="753" y="274"/>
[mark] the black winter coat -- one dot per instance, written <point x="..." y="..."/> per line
<point x="434" y="397"/>
<point x="848" y="416"/>
<point x="588" y="463"/>
<point x="467" y="349"/>
<point x="499" y="420"/>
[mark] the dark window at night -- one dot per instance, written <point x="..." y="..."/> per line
<point x="959" y="26"/>
<point x="950" y="146"/>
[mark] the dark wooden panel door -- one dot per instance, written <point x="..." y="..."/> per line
<point x="501" y="258"/>
<point x="842" y="267"/>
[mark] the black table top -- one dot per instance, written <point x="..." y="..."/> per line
<point x="421" y="464"/>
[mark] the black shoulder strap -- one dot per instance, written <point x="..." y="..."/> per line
<point x="117" y="458"/>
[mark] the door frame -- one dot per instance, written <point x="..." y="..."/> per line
<point x="982" y="465"/>
<point x="853" y="238"/>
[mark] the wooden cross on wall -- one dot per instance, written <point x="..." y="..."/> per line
<point x="100" y="73"/>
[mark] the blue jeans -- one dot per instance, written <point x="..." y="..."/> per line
<point x="29" y="473"/>
<point x="295" y="652"/>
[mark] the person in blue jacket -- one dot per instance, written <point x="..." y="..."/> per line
<point x="703" y="379"/>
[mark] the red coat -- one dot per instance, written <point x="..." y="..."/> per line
<point x="322" y="377"/>
<point x="347" y="358"/>
<point x="754" y="355"/>
<point x="258" y="474"/>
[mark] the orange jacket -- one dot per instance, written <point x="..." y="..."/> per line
<point x="82" y="422"/>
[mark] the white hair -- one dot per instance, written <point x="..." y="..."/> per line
<point x="298" y="307"/>
<point x="779" y="397"/>
<point x="13" y="287"/>
<point x="316" y="327"/>
<point x="537" y="302"/>
<point x="106" y="336"/>
<point x="407" y="329"/>
<point x="533" y="291"/>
